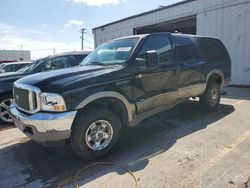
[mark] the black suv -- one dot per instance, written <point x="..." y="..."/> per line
<point x="49" y="63"/>
<point x="119" y="84"/>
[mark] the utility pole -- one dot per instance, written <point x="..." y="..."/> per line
<point x="82" y="31"/>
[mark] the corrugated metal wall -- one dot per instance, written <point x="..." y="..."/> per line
<point x="125" y="28"/>
<point x="232" y="25"/>
<point x="228" y="20"/>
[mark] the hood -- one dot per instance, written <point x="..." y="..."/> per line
<point x="11" y="76"/>
<point x="63" y="80"/>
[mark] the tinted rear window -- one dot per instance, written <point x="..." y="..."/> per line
<point x="212" y="50"/>
<point x="184" y="49"/>
<point x="10" y="68"/>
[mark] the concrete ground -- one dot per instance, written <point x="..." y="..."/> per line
<point x="183" y="147"/>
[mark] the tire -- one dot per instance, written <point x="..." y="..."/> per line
<point x="87" y="125"/>
<point x="5" y="118"/>
<point x="210" y="99"/>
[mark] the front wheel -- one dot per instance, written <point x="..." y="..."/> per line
<point x="94" y="133"/>
<point x="5" y="117"/>
<point x="211" y="97"/>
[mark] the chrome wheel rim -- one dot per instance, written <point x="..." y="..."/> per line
<point x="214" y="96"/>
<point x="99" y="135"/>
<point x="4" y="110"/>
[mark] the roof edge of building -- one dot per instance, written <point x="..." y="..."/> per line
<point x="144" y="13"/>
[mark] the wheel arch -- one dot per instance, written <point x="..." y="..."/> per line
<point x="108" y="96"/>
<point x="215" y="75"/>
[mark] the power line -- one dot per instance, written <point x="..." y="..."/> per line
<point x="89" y="35"/>
<point x="88" y="47"/>
<point x="88" y="41"/>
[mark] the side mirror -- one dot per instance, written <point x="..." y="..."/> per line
<point x="151" y="58"/>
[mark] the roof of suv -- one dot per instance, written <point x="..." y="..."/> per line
<point x="193" y="36"/>
<point x="160" y="33"/>
<point x="174" y="34"/>
<point x="72" y="53"/>
<point x="140" y="36"/>
<point x="16" y="63"/>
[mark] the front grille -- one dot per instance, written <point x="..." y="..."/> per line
<point x="21" y="97"/>
<point x="25" y="99"/>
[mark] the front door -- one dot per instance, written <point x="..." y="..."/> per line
<point x="156" y="87"/>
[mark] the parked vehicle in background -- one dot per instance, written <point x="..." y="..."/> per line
<point x="12" y="67"/>
<point x="119" y="84"/>
<point x="59" y="61"/>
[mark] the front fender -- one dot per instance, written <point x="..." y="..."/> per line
<point x="109" y="94"/>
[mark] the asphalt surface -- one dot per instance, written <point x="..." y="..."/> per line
<point x="182" y="147"/>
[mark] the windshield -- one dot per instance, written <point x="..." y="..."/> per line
<point x="30" y="67"/>
<point x="114" y="52"/>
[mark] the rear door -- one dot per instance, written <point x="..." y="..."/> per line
<point x="192" y="68"/>
<point x="156" y="86"/>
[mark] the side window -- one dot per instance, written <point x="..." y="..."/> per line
<point x="58" y="63"/>
<point x="184" y="49"/>
<point x="19" y="66"/>
<point x="78" y="59"/>
<point x="162" y="46"/>
<point x="10" y="68"/>
<point x="212" y="50"/>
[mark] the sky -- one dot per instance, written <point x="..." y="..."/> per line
<point x="48" y="26"/>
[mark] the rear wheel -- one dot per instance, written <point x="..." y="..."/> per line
<point x="5" y="117"/>
<point x="211" y="97"/>
<point x="94" y="133"/>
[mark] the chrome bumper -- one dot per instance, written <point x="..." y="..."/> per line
<point x="44" y="127"/>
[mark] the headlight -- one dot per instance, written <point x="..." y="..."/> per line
<point x="52" y="102"/>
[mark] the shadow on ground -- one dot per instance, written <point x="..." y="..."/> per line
<point x="152" y="137"/>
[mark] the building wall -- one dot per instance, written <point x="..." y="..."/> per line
<point x="14" y="55"/>
<point x="126" y="27"/>
<point x="228" y="20"/>
<point x="232" y="25"/>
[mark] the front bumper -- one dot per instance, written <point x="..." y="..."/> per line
<point x="44" y="128"/>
